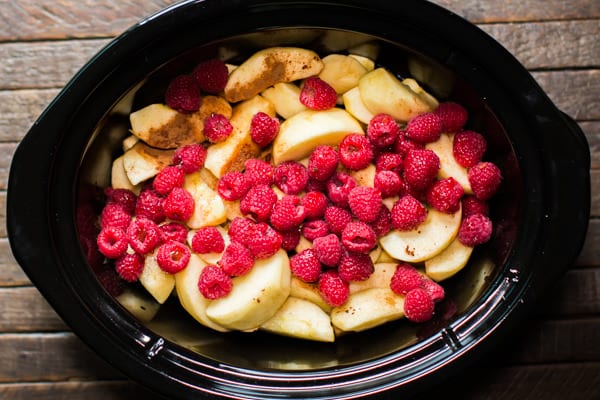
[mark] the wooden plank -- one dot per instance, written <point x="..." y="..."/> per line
<point x="11" y="273"/>
<point x="19" y="110"/>
<point x="590" y="254"/>
<point x="25" y="310"/>
<point x="592" y="134"/>
<point x="6" y="152"/>
<point x="575" y="294"/>
<point x="88" y="390"/>
<point x="595" y="184"/>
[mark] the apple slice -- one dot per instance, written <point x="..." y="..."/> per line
<point x="285" y="97"/>
<point x="209" y="209"/>
<point x="448" y="165"/>
<point x="119" y="179"/>
<point x="355" y="106"/>
<point x="300" y="134"/>
<point x="157" y="282"/>
<point x="256" y="296"/>
<point x="142" y="162"/>
<point x="210" y="258"/>
<point x="380" y="278"/>
<point x="186" y="286"/>
<point x="426" y="240"/>
<point x="448" y="262"/>
<point x="302" y="319"/>
<point x="162" y="127"/>
<point x="366" y="62"/>
<point x="365" y="176"/>
<point x="341" y="72"/>
<point x="308" y="291"/>
<point x="367" y="309"/>
<point x="129" y="142"/>
<point x="139" y="304"/>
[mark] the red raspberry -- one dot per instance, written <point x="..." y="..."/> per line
<point x="339" y="187"/>
<point x="183" y="94"/>
<point x="173" y="256"/>
<point x="424" y="128"/>
<point x="168" y="178"/>
<point x="323" y="162"/>
<point x="115" y="215"/>
<point x="214" y="283"/>
<point x="179" y="205"/>
<point x="240" y="230"/>
<point x="89" y="247"/>
<point x="217" y="128"/>
<point x="265" y="241"/>
<point x="208" y="239"/>
<point x="315" y="204"/>
<point x="291" y="177"/>
<point x="287" y="213"/>
<point x="388" y="183"/>
<point x="418" y="305"/>
<point x="408" y="213"/>
<point x="317" y="94"/>
<point x="333" y="289"/>
<point x="143" y="235"/>
<point x="453" y="116"/>
<point x="355" y="151"/>
<point x="383" y="223"/>
<point x="445" y="195"/>
<point x="421" y="168"/>
<point x="236" y="260"/>
<point x="233" y="185"/>
<point x="337" y="218"/>
<point x="314" y="229"/>
<point x="472" y="205"/>
<point x="365" y="203"/>
<point x="263" y="129"/>
<point x="403" y="145"/>
<point x="485" y="178"/>
<point x="258" y="202"/>
<point x="468" y="148"/>
<point x="434" y="289"/>
<point x="306" y="266"/>
<point x="173" y="231"/>
<point x="211" y="76"/>
<point x="290" y="239"/>
<point x="358" y="237"/>
<point x="388" y="161"/>
<point x="475" y="229"/>
<point x="405" y="278"/>
<point x="130" y="266"/>
<point x="258" y="172"/>
<point x="124" y="197"/>
<point x="109" y="280"/>
<point x="190" y="157"/>
<point x="355" y="267"/>
<point x="383" y="130"/>
<point x="328" y="249"/>
<point x="314" y="185"/>
<point x="112" y="242"/>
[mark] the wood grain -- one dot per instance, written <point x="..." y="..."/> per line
<point x="74" y="390"/>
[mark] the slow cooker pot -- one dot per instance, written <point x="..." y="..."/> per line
<point x="540" y="214"/>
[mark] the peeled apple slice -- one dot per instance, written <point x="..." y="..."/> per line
<point x="448" y="262"/>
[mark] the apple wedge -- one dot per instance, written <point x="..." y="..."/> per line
<point x="142" y="162"/>
<point x="209" y="209"/>
<point x="300" y="134"/>
<point x="285" y="97"/>
<point x="365" y="176"/>
<point x="301" y="319"/>
<point x="142" y="306"/>
<point x="341" y="72"/>
<point x="119" y="179"/>
<point x="355" y="106"/>
<point x="426" y="240"/>
<point x="367" y="309"/>
<point x="210" y="258"/>
<point x="308" y="291"/>
<point x="256" y="296"/>
<point x="451" y="260"/>
<point x="157" y="282"/>
<point x="366" y="62"/>
<point x="129" y="142"/>
<point x="268" y="67"/>
<point x="448" y="165"/>
<point x="379" y="278"/>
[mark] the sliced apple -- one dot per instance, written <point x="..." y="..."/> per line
<point x="285" y="97"/>
<point x="119" y="178"/>
<point x="355" y="106"/>
<point x="209" y="209"/>
<point x="366" y="62"/>
<point x="381" y="277"/>
<point x="426" y="240"/>
<point x="448" y="165"/>
<point x="308" y="291"/>
<point x="268" y="67"/>
<point x="303" y="244"/>
<point x="256" y="296"/>
<point x="129" y="142"/>
<point x="142" y="162"/>
<point x="451" y="260"/>
<point x="365" y="176"/>
<point x="367" y="309"/>
<point x="341" y="72"/>
<point x="301" y="319"/>
<point x="210" y="258"/>
<point x="300" y="134"/>
<point x="139" y="304"/>
<point x="157" y="282"/>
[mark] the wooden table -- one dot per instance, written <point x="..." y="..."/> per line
<point x="554" y="355"/>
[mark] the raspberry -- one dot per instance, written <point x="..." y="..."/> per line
<point x="168" y="178"/>
<point x="445" y="195"/>
<point x="388" y="183"/>
<point x="475" y="229"/>
<point x="287" y="213"/>
<point x="424" y="128"/>
<point x="109" y="280"/>
<point x="183" y="95"/>
<point x="365" y="203"/>
<point x="130" y="266"/>
<point x="355" y="151"/>
<point x="315" y="204"/>
<point x="355" y="267"/>
<point x="337" y="218"/>
<point x="403" y="145"/>
<point x="124" y="197"/>
<point x="214" y="283"/>
<point x="265" y="241"/>
<point x="472" y="205"/>
<point x="328" y="249"/>
<point x="408" y="213"/>
<point x="208" y="239"/>
<point x="291" y="177"/>
<point x="89" y="247"/>
<point x="179" y="205"/>
<point x="383" y="222"/>
<point x="150" y="205"/>
<point x="290" y="239"/>
<point x="190" y="157"/>
<point x="485" y="178"/>
<point x="314" y="185"/>
<point x="405" y="278"/>
<point x="333" y="289"/>
<point x="258" y="202"/>
<point x="317" y="94"/>
<point x="388" y="161"/>
<point x="421" y="168"/>
<point x="418" y="305"/>
<point x="217" y="128"/>
<point x="315" y="229"/>
<point x="143" y="235"/>
<point x="339" y="187"/>
<point x="115" y="215"/>
<point x="434" y="289"/>
<point x="323" y="162"/>
<point x="258" y="172"/>
<point x="468" y="148"/>
<point x="236" y="260"/>
<point x="233" y="185"/>
<point x="453" y="116"/>
<point x="173" y="256"/>
<point x="305" y="265"/>
<point x="112" y="242"/>
<point x="358" y="237"/>
<point x="240" y="230"/>
<point x="173" y="231"/>
<point x="211" y="75"/>
<point x="263" y="129"/>
<point x="383" y="130"/>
